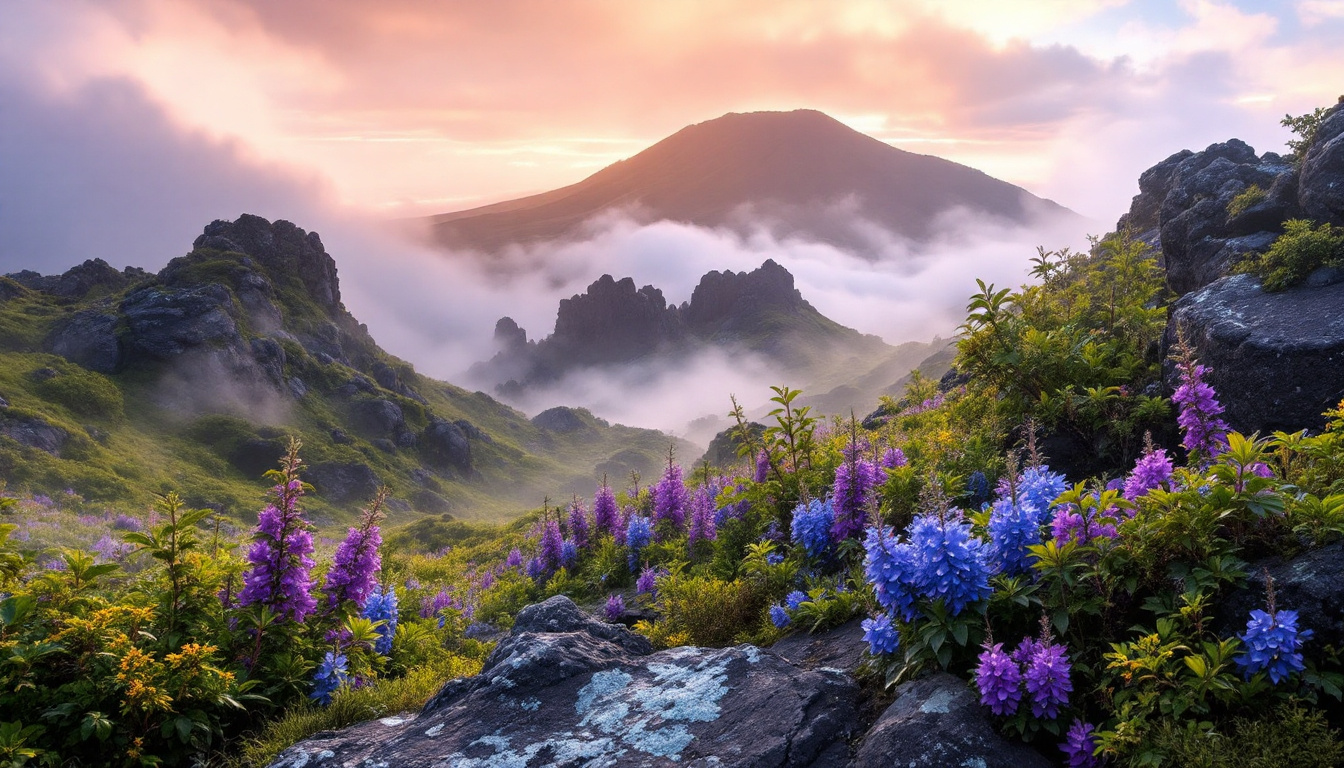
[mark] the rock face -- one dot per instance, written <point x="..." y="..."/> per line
<point x="88" y="338"/>
<point x="79" y="280"/>
<point x="566" y="690"/>
<point x="33" y="432"/>
<point x="282" y="247"/>
<point x="445" y="445"/>
<point x="1308" y="584"/>
<point x="1277" y="358"/>
<point x="342" y="482"/>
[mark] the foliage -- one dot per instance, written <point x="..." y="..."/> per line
<point x="1306" y="127"/>
<point x="1247" y="198"/>
<point x="1295" y="254"/>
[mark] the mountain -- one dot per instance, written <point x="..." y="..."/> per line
<point x="119" y="384"/>
<point x="803" y="172"/>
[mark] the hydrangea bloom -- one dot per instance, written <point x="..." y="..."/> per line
<point x="880" y="634"/>
<point x="382" y="606"/>
<point x="893" y="458"/>
<point x="1079" y="746"/>
<point x="332" y="674"/>
<point x="578" y="524"/>
<point x="1012" y="528"/>
<point x="999" y="679"/>
<point x="638" y="534"/>
<point x="1273" y="645"/>
<point x="779" y="617"/>
<point x="1205" y="433"/>
<point x="552" y="546"/>
<point x="812" y="525"/>
<point x="280" y="576"/>
<point x="615" y="608"/>
<point x="702" y="517"/>
<point x="794" y="599"/>
<point x="606" y="515"/>
<point x="357" y="562"/>
<point x="1150" y="471"/>
<point x="1047" y="679"/>
<point x="854" y="481"/>
<point x="670" y="498"/>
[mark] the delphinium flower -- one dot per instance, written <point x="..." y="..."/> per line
<point x="951" y="562"/>
<point x="702" y="517"/>
<point x="795" y="598"/>
<point x="606" y="515"/>
<point x="892" y="458"/>
<point x="779" y="616"/>
<point x="382" y="606"/>
<point x="999" y="679"/>
<point x="1205" y="432"/>
<point x="552" y="545"/>
<point x="638" y="534"/>
<point x="889" y="567"/>
<point x="1012" y="528"/>
<point x="670" y="498"/>
<point x="578" y="524"/>
<point x="332" y="674"/>
<point x="357" y="562"/>
<point x="615" y="608"/>
<point x="569" y="553"/>
<point x="280" y="576"/>
<point x="1046" y="675"/>
<point x="1273" y="644"/>
<point x="811" y="528"/>
<point x="762" y="467"/>
<point x="880" y="634"/>
<point x="854" y="481"/>
<point x="515" y="558"/>
<point x="1151" y="470"/>
<point x="536" y="569"/>
<point x="977" y="489"/>
<point x="1037" y="488"/>
<point x="647" y="583"/>
<point x="1079" y="746"/>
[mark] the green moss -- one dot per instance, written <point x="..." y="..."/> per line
<point x="1249" y="197"/>
<point x="84" y="393"/>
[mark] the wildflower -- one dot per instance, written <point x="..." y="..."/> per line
<point x="779" y="617"/>
<point x="977" y="488"/>
<point x="606" y="516"/>
<point x="702" y="517"/>
<point x="670" y="498"/>
<point x="382" y="606"/>
<point x="1150" y="471"/>
<point x="950" y="562"/>
<point x="332" y="674"/>
<point x="578" y="524"/>
<point x="1047" y="679"/>
<point x="774" y="558"/>
<point x="762" y="467"/>
<point x="1205" y="433"/>
<point x="647" y="583"/>
<point x="515" y="558"/>
<point x="812" y="526"/>
<point x="1037" y="489"/>
<point x="432" y="605"/>
<point x="880" y="634"/>
<point x="552" y="545"/>
<point x="615" y="608"/>
<point x="536" y="569"/>
<point x="1012" y="529"/>
<point x="854" y="482"/>
<point x="1080" y="746"/>
<point x="280" y="576"/>
<point x="1085" y="526"/>
<point x="638" y="534"/>
<point x="893" y="458"/>
<point x="794" y="599"/>
<point x="1273" y="645"/>
<point x="354" y="568"/>
<point x="999" y="679"/>
<point x="888" y="567"/>
<point x="569" y="553"/>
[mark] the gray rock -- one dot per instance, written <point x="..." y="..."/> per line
<point x="341" y="482"/>
<point x="256" y="294"/>
<point x="297" y="387"/>
<point x="377" y="417"/>
<point x="283" y="249"/>
<point x="936" y="722"/>
<point x="270" y="356"/>
<point x="1322" y="189"/>
<point x="163" y="324"/>
<point x="10" y="289"/>
<point x="339" y="437"/>
<point x="445" y="445"/>
<point x="88" y="338"/>
<point x="561" y="419"/>
<point x="79" y="280"/>
<point x="1277" y="358"/>
<point x="1308" y="584"/>
<point x="34" y="432"/>
<point x="840" y="648"/>
<point x="566" y="690"/>
<point x="3" y="402"/>
<point x="425" y="500"/>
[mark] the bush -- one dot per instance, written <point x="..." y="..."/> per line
<point x="1299" y="251"/>
<point x="1292" y="736"/>
<point x="1249" y="197"/>
<point x="85" y="393"/>
<point x="703" y="610"/>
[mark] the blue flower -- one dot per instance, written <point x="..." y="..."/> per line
<point x="332" y="674"/>
<point x="880" y="634"/>
<point x="1037" y="489"/>
<point x="795" y="599"/>
<point x="1012" y="528"/>
<point x="382" y="606"/>
<point x="1273" y="645"/>
<point x="889" y="567"/>
<point x="942" y="561"/>
<point x="638" y="534"/>
<point x="778" y="616"/>
<point x="774" y="558"/>
<point x="812" y="526"/>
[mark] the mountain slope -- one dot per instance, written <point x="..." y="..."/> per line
<point x="787" y="168"/>
<point x="118" y="385"/>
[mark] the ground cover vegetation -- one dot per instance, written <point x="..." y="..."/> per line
<point x="1085" y="608"/>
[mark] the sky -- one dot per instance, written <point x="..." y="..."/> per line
<point x="126" y="125"/>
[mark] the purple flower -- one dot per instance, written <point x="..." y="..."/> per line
<point x="1273" y="645"/>
<point x="1150" y="471"/>
<point x="670" y="498"/>
<point x="1204" y="430"/>
<point x="638" y="534"/>
<point x="1079" y="746"/>
<point x="854" y="482"/>
<point x="1037" y="488"/>
<point x="893" y="458"/>
<point x="1086" y="526"/>
<point x="355" y="567"/>
<point x="762" y="467"/>
<point x="999" y="679"/>
<point x="615" y="608"/>
<point x="880" y="634"/>
<point x="774" y="558"/>
<point x="332" y="674"/>
<point x="1047" y="679"/>
<point x="812" y="526"/>
<point x="108" y="549"/>
<point x="280" y="577"/>
<point x="536" y="569"/>
<point x="382" y="606"/>
<point x="430" y="606"/>
<point x="552" y="545"/>
<point x="514" y="559"/>
<point x="702" y="517"/>
<point x="606" y="515"/>
<point x="578" y="524"/>
<point x="779" y="617"/>
<point x="889" y="567"/>
<point x="124" y="522"/>
<point x="647" y="583"/>
<point x="569" y="553"/>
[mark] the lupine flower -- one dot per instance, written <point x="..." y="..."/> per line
<point x="622" y="523"/>
<point x="647" y="583"/>
<point x="1273" y="645"/>
<point x="1012" y="528"/>
<point x="854" y="481"/>
<point x="1150" y="471"/>
<point x="332" y="675"/>
<point x="812" y="525"/>
<point x="536" y="569"/>
<point x="638" y="534"/>
<point x="357" y="562"/>
<point x="382" y="606"/>
<point x="1086" y="526"/>
<point x="728" y="512"/>
<point x="569" y="553"/>
<point x="108" y="549"/>
<point x="606" y="515"/>
<point x="124" y="522"/>
<point x="762" y="467"/>
<point x="893" y="458"/>
<point x="670" y="498"/>
<point x="1205" y="433"/>
<point x="779" y="617"/>
<point x="1079" y="746"/>
<point x="795" y="598"/>
<point x="578" y="524"/>
<point x="515" y="558"/>
<point x="1047" y="679"/>
<point x="615" y="608"/>
<point x="702" y="517"/>
<point x="880" y="634"/>
<point x="280" y="576"/>
<point x="552" y="545"/>
<point x="999" y="680"/>
<point x="430" y="606"/>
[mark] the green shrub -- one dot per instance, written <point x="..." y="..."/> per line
<point x="1249" y="197"/>
<point x="85" y="393"/>
<point x="1305" y="126"/>
<point x="703" y="610"/>
<point x="1291" y="736"/>
<point x="1296" y="253"/>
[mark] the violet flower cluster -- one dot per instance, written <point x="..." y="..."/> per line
<point x="893" y="458"/>
<point x="880" y="634"/>
<point x="615" y="608"/>
<point x="703" y="527"/>
<point x="812" y="526"/>
<point x="578" y="525"/>
<point x="670" y="498"/>
<point x="942" y="561"/>
<point x="281" y="574"/>
<point x="762" y="470"/>
<point x="1038" y="671"/>
<point x="854" y="481"/>
<point x="552" y="546"/>
<point x="357" y="562"/>
<point x="647" y="583"/>
<point x="1152" y="470"/>
<point x="1205" y="432"/>
<point x="606" y="515"/>
<point x="1273" y="645"/>
<point x="1080" y="746"/>
<point x="638" y="535"/>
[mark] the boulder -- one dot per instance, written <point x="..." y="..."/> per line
<point x="938" y="721"/>
<point x="283" y="249"/>
<point x="1321" y="193"/>
<point x="163" y="324"/>
<point x="840" y="648"/>
<point x="88" y="338"/>
<point x="561" y="419"/>
<point x="1308" y="584"/>
<point x="377" y="417"/>
<point x="341" y="482"/>
<point x="34" y="432"/>
<point x="567" y="690"/>
<point x="445" y="445"/>
<point x="78" y="281"/>
<point x="1277" y="359"/>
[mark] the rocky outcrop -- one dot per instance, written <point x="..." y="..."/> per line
<point x="34" y="432"/>
<point x="566" y="690"/>
<point x="445" y="445"/>
<point x="563" y="420"/>
<point x="80" y="280"/>
<point x="282" y="248"/>
<point x="1321" y="191"/>
<point x="88" y="338"/>
<point x="163" y="324"/>
<point x="730" y="301"/>
<point x="1277" y="358"/>
<point x="342" y="482"/>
